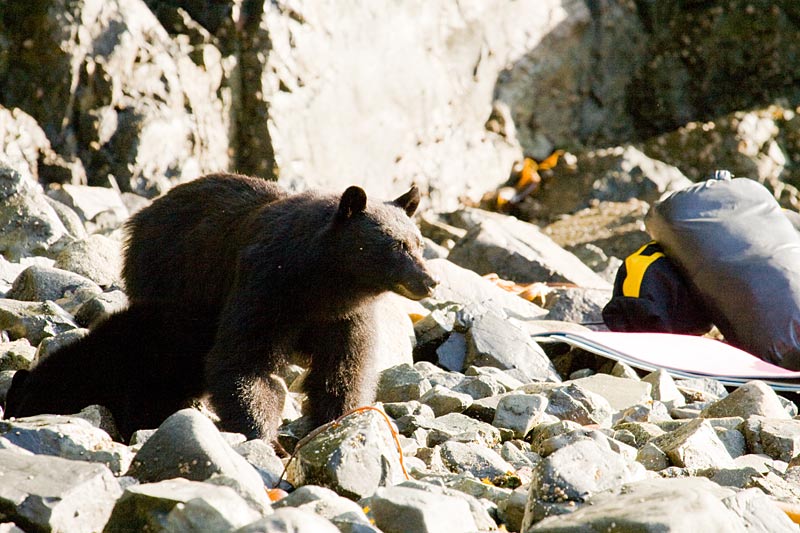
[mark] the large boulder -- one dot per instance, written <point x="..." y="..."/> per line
<point x="28" y="223"/>
<point x="107" y="83"/>
<point x="618" y="71"/>
<point x="42" y="493"/>
<point x="25" y="148"/>
<point x="381" y="89"/>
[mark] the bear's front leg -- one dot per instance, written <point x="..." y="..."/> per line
<point x="243" y="392"/>
<point x="340" y="376"/>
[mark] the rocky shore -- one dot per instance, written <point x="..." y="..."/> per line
<point x="476" y="426"/>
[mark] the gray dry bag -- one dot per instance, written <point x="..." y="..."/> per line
<point x="741" y="254"/>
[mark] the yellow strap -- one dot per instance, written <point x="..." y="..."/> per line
<point x="636" y="265"/>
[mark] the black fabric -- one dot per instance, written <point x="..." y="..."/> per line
<point x="741" y="254"/>
<point x="651" y="295"/>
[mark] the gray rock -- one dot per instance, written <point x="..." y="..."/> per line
<point x="479" y="387"/>
<point x="290" y="520"/>
<point x="401" y="383"/>
<point x="68" y="437"/>
<point x="546" y="431"/>
<point x="694" y="445"/>
<point x="402" y="509"/>
<point x="653" y="411"/>
<point x="511" y="511"/>
<point x="520" y="252"/>
<point x="519" y="412"/>
<point x="432" y="250"/>
<point x="772" y="484"/>
<point x="470" y="290"/>
<point x="623" y="370"/>
<point x="134" y="202"/>
<point x="481" y="462"/>
<point x="478" y="488"/>
<point x="101" y="307"/>
<point x="752" y="398"/>
<point x="443" y="400"/>
<point x="553" y="444"/>
<point x="263" y="458"/>
<point x="641" y="431"/>
<point x="493" y="341"/>
<point x="484" y="409"/>
<point x="735" y="477"/>
<point x="519" y="454"/>
<point x="688" y="412"/>
<point x="34" y="320"/>
<point x="650" y="506"/>
<point x="24" y="146"/>
<point x="188" y="445"/>
<point x="72" y="222"/>
<point x="790" y="404"/>
<point x="39" y="283"/>
<point x="43" y="493"/>
<point x="413" y="407"/>
<point x="345" y="514"/>
<point x="90" y="202"/>
<point x="619" y="392"/>
<point x="438" y="376"/>
<point x="734" y="441"/>
<point x="575" y="472"/>
<point x="353" y="458"/>
<point x="701" y="389"/>
<point x="452" y="353"/>
<point x="652" y="457"/>
<point x="49" y="345"/>
<point x="459" y="427"/>
<point x="179" y="505"/>
<point x="509" y="382"/>
<point x="436" y="325"/>
<point x="664" y="389"/>
<point x="573" y="402"/>
<point x="28" y="224"/>
<point x="434" y="226"/>
<point x="759" y="512"/>
<point x="101" y="418"/>
<point x="779" y="439"/>
<point x="16" y="355"/>
<point x="577" y="304"/>
<point x="98" y="258"/>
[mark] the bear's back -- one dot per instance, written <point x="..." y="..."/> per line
<point x="182" y="249"/>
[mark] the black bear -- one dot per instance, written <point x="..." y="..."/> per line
<point x="282" y="274"/>
<point x="143" y="364"/>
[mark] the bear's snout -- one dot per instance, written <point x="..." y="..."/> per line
<point x="419" y="286"/>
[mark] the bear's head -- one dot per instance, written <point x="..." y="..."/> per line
<point x="33" y="392"/>
<point x="380" y="246"/>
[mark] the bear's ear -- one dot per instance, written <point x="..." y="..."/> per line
<point x="409" y="201"/>
<point x="354" y="201"/>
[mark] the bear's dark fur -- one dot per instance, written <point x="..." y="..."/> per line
<point x="143" y="364"/>
<point x="283" y="274"/>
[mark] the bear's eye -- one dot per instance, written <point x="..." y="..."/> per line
<point x="400" y="246"/>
